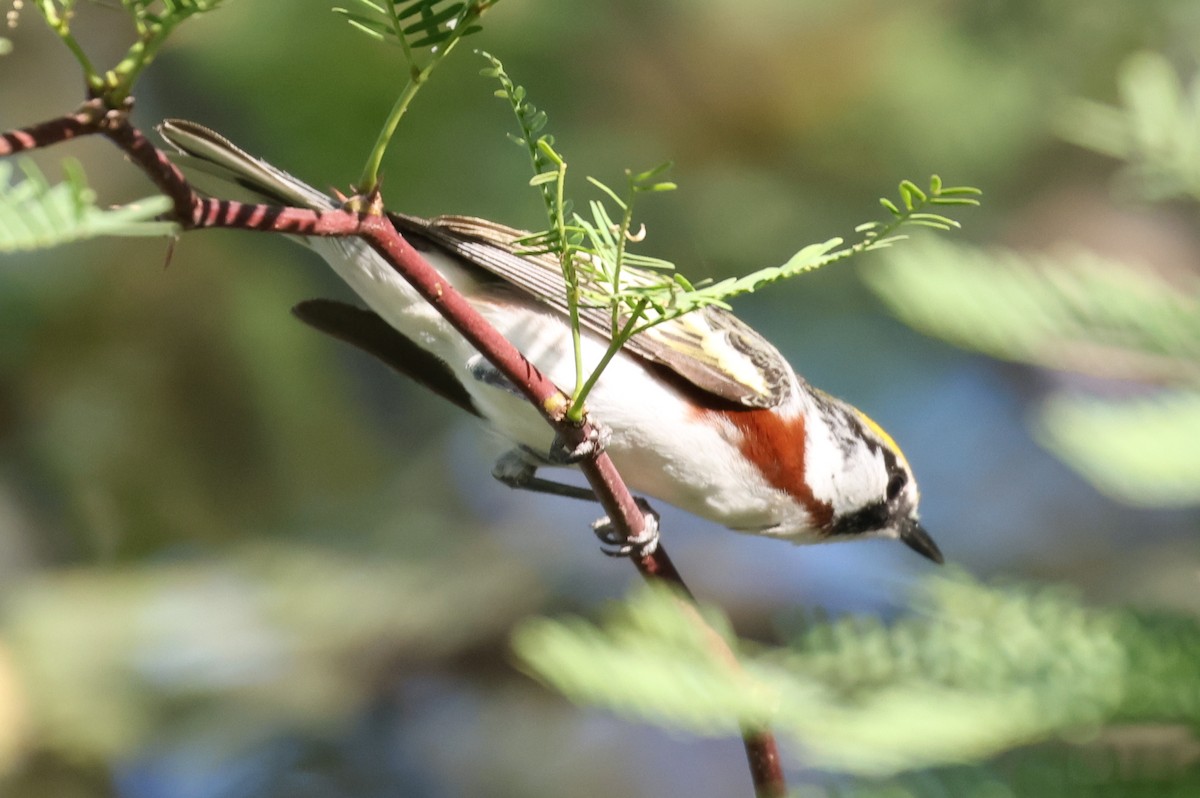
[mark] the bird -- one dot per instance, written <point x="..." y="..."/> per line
<point x="700" y="412"/>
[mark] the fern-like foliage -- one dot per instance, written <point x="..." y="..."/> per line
<point x="914" y="210"/>
<point x="35" y="214"/>
<point x="277" y="657"/>
<point x="549" y="168"/>
<point x="1077" y="312"/>
<point x="972" y="672"/>
<point x="1070" y="310"/>
<point x="425" y="31"/>
<point x="416" y="24"/>
<point x="153" y="21"/>
<point x="149" y="14"/>
<point x="1133" y="450"/>
<point x="1158" y="764"/>
<point x="594" y="255"/>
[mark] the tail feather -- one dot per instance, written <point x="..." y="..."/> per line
<point x="213" y="162"/>
<point x="370" y="333"/>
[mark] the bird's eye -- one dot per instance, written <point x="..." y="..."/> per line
<point x="896" y="484"/>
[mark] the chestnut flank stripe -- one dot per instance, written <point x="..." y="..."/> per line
<point x="776" y="446"/>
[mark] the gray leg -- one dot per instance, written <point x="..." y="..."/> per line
<point x="483" y="371"/>
<point x="615" y="545"/>
<point x="517" y="468"/>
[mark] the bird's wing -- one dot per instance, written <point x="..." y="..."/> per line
<point x="710" y="348"/>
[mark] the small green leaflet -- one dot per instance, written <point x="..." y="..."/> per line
<point x="37" y="215"/>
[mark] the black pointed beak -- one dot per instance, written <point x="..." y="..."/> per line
<point x="917" y="539"/>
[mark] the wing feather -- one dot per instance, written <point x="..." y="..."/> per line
<point x="711" y="348"/>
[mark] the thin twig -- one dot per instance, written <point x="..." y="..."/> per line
<point x="766" y="769"/>
<point x="81" y="123"/>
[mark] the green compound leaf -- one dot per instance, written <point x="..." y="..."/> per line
<point x="415" y="25"/>
<point x="593" y="252"/>
<point x="152" y="21"/>
<point x="371" y="26"/>
<point x="875" y="235"/>
<point x="971" y="672"/>
<point x="37" y="215"/>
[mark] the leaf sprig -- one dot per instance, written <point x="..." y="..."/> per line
<point x="1074" y="311"/>
<point x="153" y="21"/>
<point x="414" y="26"/>
<point x="685" y="298"/>
<point x="915" y="200"/>
<point x="1155" y="129"/>
<point x="594" y="255"/>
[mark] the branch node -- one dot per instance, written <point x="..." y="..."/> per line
<point x="592" y="439"/>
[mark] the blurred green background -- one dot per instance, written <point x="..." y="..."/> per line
<point x="239" y="559"/>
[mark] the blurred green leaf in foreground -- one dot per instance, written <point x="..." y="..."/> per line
<point x="35" y="214"/>
<point x="971" y="672"/>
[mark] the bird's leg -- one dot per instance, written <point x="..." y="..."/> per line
<point x="641" y="545"/>
<point x="483" y="371"/>
<point x="560" y="454"/>
<point x="517" y="468"/>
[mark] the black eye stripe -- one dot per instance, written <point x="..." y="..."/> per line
<point x="866" y="519"/>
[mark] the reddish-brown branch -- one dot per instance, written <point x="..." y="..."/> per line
<point x="156" y="166"/>
<point x="766" y="769"/>
<point x="81" y="123"/>
<point x="194" y="212"/>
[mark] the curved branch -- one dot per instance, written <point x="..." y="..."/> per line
<point x="83" y="122"/>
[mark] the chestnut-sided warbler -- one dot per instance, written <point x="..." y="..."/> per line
<point x="704" y="413"/>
